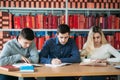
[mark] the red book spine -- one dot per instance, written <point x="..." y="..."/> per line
<point x="36" y="41"/>
<point x="33" y="22"/>
<point x="0" y="19"/>
<point x="36" y="22"/>
<point x="50" y="21"/>
<point x="77" y="42"/>
<point x="110" y="39"/>
<point x="81" y="23"/>
<point x="30" y="22"/>
<point x="10" y="21"/>
<point x="17" y="23"/>
<point x="70" y="22"/>
<point x="23" y="21"/>
<point x="41" y="21"/>
<point x="41" y="42"/>
<point x="113" y="21"/>
<point x="80" y="42"/>
<point x="86" y="22"/>
<point x="27" y="20"/>
<point x="89" y="22"/>
<point x="5" y="20"/>
<point x="117" y="40"/>
<point x="54" y="22"/>
<point x="62" y="19"/>
<point x="2" y="3"/>
<point x="75" y="19"/>
<point x="109" y="22"/>
<point x="117" y="22"/>
<point x="45" y="22"/>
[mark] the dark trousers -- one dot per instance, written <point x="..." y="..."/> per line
<point x="94" y="78"/>
<point x="60" y="78"/>
<point x="5" y="77"/>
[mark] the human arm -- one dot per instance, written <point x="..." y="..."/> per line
<point x="13" y="53"/>
<point x="75" y="55"/>
<point x="33" y="57"/>
<point x="113" y="52"/>
<point x="65" y="53"/>
<point x="6" y="56"/>
<point x="43" y="54"/>
<point x="84" y="52"/>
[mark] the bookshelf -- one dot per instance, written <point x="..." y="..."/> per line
<point x="59" y="8"/>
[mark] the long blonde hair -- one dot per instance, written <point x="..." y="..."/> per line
<point x="89" y="45"/>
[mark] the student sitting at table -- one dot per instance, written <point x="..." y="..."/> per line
<point x="61" y="49"/>
<point x="20" y="49"/>
<point x="98" y="50"/>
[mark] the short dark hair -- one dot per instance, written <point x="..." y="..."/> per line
<point x="63" y="28"/>
<point x="97" y="29"/>
<point x="27" y="33"/>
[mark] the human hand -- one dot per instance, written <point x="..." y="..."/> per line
<point x="100" y="61"/>
<point x="56" y="61"/>
<point x="25" y="59"/>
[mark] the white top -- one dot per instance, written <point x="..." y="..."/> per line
<point x="104" y="52"/>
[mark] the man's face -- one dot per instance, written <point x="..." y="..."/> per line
<point x="24" y="42"/>
<point x="63" y="38"/>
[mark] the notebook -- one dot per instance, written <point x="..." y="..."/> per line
<point x="9" y="68"/>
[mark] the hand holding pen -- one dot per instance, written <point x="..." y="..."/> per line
<point x="56" y="61"/>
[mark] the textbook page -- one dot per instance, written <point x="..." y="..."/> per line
<point x="26" y="64"/>
<point x="57" y="65"/>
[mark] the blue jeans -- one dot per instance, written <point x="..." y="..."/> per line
<point x="94" y="78"/>
<point x="5" y="77"/>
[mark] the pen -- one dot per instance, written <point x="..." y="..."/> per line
<point x="55" y="56"/>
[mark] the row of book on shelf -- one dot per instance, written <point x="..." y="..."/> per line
<point x="80" y="39"/>
<point x="61" y="3"/>
<point x="51" y="21"/>
<point x="93" y="4"/>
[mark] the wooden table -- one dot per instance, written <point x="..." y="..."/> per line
<point x="69" y="70"/>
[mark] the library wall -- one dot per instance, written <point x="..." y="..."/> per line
<point x="50" y="20"/>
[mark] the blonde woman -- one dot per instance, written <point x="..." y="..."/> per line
<point x="97" y="49"/>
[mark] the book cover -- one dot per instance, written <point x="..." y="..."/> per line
<point x="9" y="68"/>
<point x="27" y="68"/>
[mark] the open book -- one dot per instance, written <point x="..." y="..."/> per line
<point x="57" y="65"/>
<point x="26" y="64"/>
<point x="93" y="64"/>
<point x="117" y="66"/>
<point x="88" y="62"/>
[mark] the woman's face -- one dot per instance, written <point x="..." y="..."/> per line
<point x="97" y="39"/>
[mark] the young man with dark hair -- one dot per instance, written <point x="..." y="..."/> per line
<point x="61" y="49"/>
<point x="20" y="49"/>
